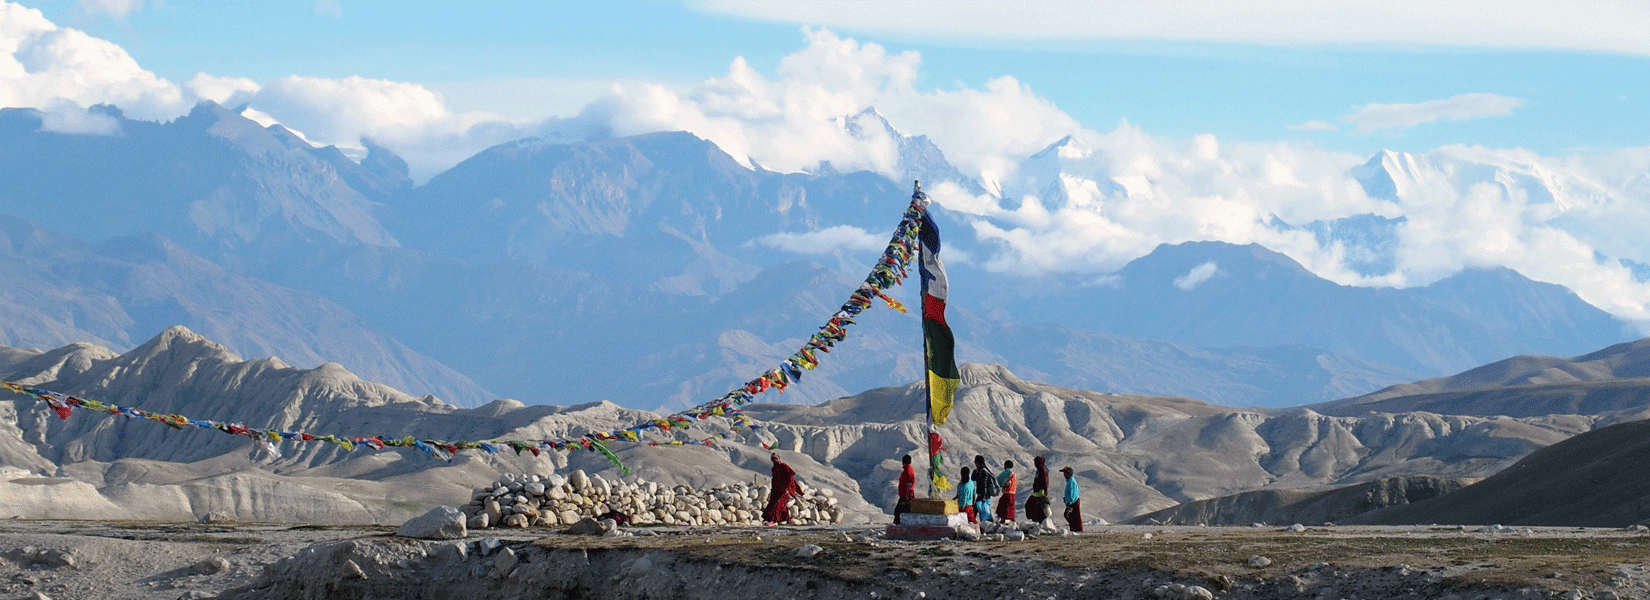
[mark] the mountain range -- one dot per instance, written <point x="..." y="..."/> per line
<point x="644" y="270"/>
<point x="1132" y="454"/>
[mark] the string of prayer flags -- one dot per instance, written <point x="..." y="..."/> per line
<point x="891" y="269"/>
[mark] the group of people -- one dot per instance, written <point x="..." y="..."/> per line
<point x="974" y="493"/>
<point x="977" y="486"/>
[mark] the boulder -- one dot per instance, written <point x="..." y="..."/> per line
<point x="212" y="566"/>
<point x="441" y="523"/>
<point x="586" y="526"/>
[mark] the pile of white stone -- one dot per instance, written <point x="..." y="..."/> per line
<point x="552" y="501"/>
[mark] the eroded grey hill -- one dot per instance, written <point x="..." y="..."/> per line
<point x="1132" y="454"/>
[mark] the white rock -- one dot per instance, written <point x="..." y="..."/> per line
<point x="535" y="488"/>
<point x="494" y="512"/>
<point x="505" y="562"/>
<point x="1297" y="528"/>
<point x="350" y="570"/>
<point x="807" y="551"/>
<point x="1259" y="561"/>
<point x="212" y="566"/>
<point x="441" y="523"/>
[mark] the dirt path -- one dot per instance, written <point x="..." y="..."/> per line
<point x="67" y="560"/>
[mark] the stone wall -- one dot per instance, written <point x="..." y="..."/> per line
<point x="553" y="500"/>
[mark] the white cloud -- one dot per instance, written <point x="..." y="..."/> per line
<point x="328" y="8"/>
<point x="228" y="91"/>
<point x="117" y="9"/>
<point x="42" y="64"/>
<point x="1314" y="126"/>
<point x="405" y="117"/>
<point x="68" y="117"/>
<point x="1375" y="117"/>
<point x="791" y="122"/>
<point x="825" y="241"/>
<point x="1587" y="25"/>
<point x="1197" y="276"/>
<point x="788" y="123"/>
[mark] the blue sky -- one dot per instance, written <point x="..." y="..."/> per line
<point x="534" y="60"/>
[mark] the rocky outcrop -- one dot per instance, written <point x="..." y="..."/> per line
<point x="1279" y="507"/>
<point x="535" y="501"/>
<point x="1595" y="479"/>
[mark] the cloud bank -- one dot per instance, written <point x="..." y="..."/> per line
<point x="1585" y="25"/>
<point x="1375" y="117"/>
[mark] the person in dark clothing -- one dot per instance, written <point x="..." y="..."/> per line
<point x="983" y="481"/>
<point x="907" y="489"/>
<point x="1037" y="504"/>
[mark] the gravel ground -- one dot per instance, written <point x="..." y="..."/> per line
<point x="66" y="560"/>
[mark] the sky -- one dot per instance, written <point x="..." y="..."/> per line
<point x="1522" y="127"/>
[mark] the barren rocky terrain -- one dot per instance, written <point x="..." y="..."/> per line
<point x="113" y="560"/>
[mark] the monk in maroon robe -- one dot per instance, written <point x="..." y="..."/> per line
<point x="784" y="488"/>
<point x="1037" y="504"/>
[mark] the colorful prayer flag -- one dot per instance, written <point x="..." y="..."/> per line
<point x="938" y="343"/>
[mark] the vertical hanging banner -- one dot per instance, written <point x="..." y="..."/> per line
<point x="937" y="343"/>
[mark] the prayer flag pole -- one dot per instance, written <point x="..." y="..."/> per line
<point x="941" y="377"/>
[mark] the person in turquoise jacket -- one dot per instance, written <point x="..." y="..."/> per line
<point x="965" y="496"/>
<point x="1074" y="501"/>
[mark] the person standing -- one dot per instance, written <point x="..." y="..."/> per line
<point x="965" y="496"/>
<point x="984" y="488"/>
<point x="1010" y="483"/>
<point x="907" y="489"/>
<point x="1074" y="501"/>
<point x="784" y="489"/>
<point x="1037" y="504"/>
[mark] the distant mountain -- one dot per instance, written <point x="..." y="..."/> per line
<point x="919" y="158"/>
<point x="666" y="210"/>
<point x="1278" y="376"/>
<point x="1213" y="295"/>
<point x="645" y="270"/>
<point x="211" y="180"/>
<point x="119" y="292"/>
<point x="1595" y="479"/>
<point x="1613" y="379"/>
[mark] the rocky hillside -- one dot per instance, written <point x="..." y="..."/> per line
<point x="1132" y="454"/>
<point x="1314" y="507"/>
<point x="1596" y="479"/>
<point x="1616" y="378"/>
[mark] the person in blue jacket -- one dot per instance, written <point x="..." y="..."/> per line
<point x="1074" y="501"/>
<point x="965" y="496"/>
